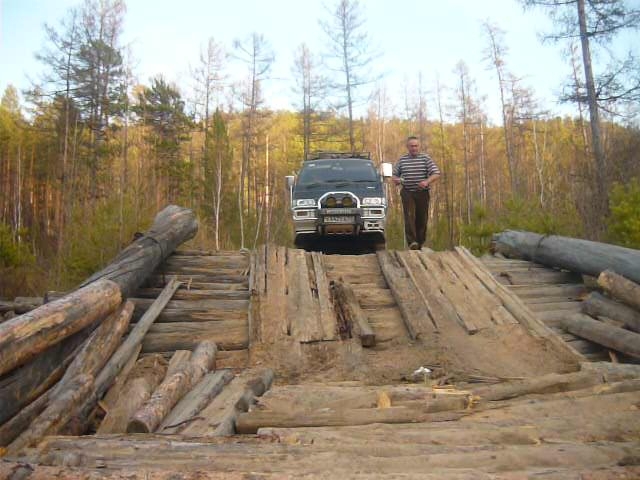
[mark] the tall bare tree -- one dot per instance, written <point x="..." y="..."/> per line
<point x="350" y="54"/>
<point x="597" y="21"/>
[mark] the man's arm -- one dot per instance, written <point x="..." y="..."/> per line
<point x="429" y="180"/>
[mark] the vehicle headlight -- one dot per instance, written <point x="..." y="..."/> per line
<point x="331" y="202"/>
<point x="305" y="202"/>
<point x="347" y="202"/>
<point x="372" y="201"/>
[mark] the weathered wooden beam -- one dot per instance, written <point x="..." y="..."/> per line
<point x="303" y="309"/>
<point x="172" y="389"/>
<point x="345" y="300"/>
<point x="133" y="265"/>
<point x="599" y="305"/>
<point x="619" y="339"/>
<point x="24" y="337"/>
<point x="194" y="401"/>
<point x="581" y="256"/>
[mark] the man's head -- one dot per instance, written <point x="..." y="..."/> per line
<point x="413" y="145"/>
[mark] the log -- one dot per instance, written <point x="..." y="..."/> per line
<point x="407" y="296"/>
<point x="581" y="256"/>
<point x="25" y="384"/>
<point x="24" y="337"/>
<point x="599" y="305"/>
<point x="121" y="357"/>
<point x="131" y="267"/>
<point x="347" y="302"/>
<point x="56" y="415"/>
<point x="145" y="377"/>
<point x="219" y="417"/>
<point x="327" y="314"/>
<point x="172" y="389"/>
<point x="609" y="336"/>
<point x="194" y="401"/>
<point x="249" y="423"/>
<point x="622" y="287"/>
<point x="116" y="389"/>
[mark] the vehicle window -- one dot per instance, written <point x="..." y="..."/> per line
<point x="336" y="171"/>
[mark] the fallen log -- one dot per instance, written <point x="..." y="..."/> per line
<point x="56" y="415"/>
<point x="622" y="288"/>
<point x="581" y="256"/>
<point x="131" y="267"/>
<point x="24" y="337"/>
<point x="599" y="305"/>
<point x="250" y="422"/>
<point x="609" y="336"/>
<point x="172" y="389"/>
<point x="346" y="301"/>
<point x="194" y="401"/>
<point x="145" y="377"/>
<point x="219" y="417"/>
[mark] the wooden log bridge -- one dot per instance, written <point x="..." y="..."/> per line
<point x="281" y="363"/>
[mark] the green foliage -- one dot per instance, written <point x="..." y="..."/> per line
<point x="624" y="222"/>
<point x="13" y="253"/>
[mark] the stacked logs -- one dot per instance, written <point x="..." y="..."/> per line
<point x="611" y="320"/>
<point x="58" y="360"/>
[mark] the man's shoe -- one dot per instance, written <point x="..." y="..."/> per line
<point x="414" y="246"/>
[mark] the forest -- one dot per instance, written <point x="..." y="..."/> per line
<point x="89" y="156"/>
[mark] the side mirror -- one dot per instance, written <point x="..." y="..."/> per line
<point x="387" y="169"/>
<point x="290" y="181"/>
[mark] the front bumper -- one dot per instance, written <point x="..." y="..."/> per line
<point x="339" y="221"/>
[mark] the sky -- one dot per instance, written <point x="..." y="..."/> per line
<point x="413" y="37"/>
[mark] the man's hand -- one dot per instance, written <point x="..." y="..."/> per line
<point x="396" y="180"/>
<point x="423" y="184"/>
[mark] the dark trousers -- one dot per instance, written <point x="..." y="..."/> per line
<point x="415" y="206"/>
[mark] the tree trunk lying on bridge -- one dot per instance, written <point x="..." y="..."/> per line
<point x="172" y="389"/>
<point x="609" y="336"/>
<point x="581" y="256"/>
<point x="145" y="377"/>
<point x="24" y="337"/>
<point x="622" y="288"/>
<point x="598" y="305"/>
<point x="171" y="227"/>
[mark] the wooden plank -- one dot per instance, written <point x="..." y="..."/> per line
<point x="555" y="306"/>
<point x="409" y="299"/>
<point x="472" y="320"/>
<point x="228" y="335"/>
<point x="539" y="278"/>
<point x="207" y="315"/>
<point x="327" y="314"/>
<point x="517" y="308"/>
<point x="194" y="401"/>
<point x="273" y="299"/>
<point x="184" y="294"/>
<point x="303" y="310"/>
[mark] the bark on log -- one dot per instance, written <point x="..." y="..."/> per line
<point x="626" y="289"/>
<point x="598" y="305"/>
<point x="347" y="302"/>
<point x="172" y="389"/>
<point x="55" y="415"/>
<point x="24" y="337"/>
<point x="609" y="336"/>
<point x="573" y="254"/>
<point x="171" y="227"/>
<point x="145" y="377"/>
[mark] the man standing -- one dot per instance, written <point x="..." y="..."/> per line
<point x="415" y="172"/>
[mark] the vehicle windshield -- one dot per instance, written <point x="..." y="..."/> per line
<point x="336" y="171"/>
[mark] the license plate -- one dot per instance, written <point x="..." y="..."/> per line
<point x="339" y="219"/>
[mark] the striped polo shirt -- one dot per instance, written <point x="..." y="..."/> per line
<point x="415" y="169"/>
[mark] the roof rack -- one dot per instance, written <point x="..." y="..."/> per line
<point x="328" y="154"/>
